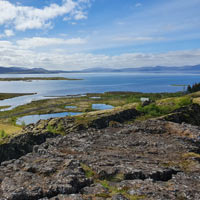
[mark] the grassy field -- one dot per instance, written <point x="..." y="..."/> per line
<point x="9" y="128"/>
<point x="83" y="103"/>
<point x="162" y="103"/>
<point x="36" y="78"/>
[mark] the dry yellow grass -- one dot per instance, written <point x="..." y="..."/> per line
<point x="9" y="129"/>
<point x="196" y="100"/>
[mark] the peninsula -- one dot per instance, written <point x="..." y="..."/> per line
<point x="38" y="79"/>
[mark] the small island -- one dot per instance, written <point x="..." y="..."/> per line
<point x="38" y="78"/>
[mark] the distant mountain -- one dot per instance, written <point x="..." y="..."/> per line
<point x="98" y="70"/>
<point x="157" y="69"/>
<point x="195" y="68"/>
<point x="20" y="70"/>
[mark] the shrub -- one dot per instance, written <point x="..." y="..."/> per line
<point x="3" y="134"/>
<point x="153" y="110"/>
<point x="194" y="88"/>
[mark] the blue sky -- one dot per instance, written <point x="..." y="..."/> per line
<point x="79" y="34"/>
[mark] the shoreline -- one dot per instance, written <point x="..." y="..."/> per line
<point x="29" y="79"/>
<point x="4" y="96"/>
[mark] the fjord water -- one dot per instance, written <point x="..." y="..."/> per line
<point x="92" y="83"/>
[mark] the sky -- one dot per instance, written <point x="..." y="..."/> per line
<point x="81" y="34"/>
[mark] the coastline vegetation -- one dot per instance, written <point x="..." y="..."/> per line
<point x="181" y="85"/>
<point x="37" y="78"/>
<point x="3" y="107"/>
<point x="12" y="95"/>
<point x="193" y="88"/>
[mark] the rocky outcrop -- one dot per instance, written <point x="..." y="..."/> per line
<point x="121" y="116"/>
<point x="97" y="120"/>
<point x="100" y="158"/>
<point x="35" y="134"/>
<point x="188" y="114"/>
<point x="154" y="159"/>
<point x="21" y="145"/>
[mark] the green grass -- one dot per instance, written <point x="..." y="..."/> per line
<point x="164" y="107"/>
<point x="3" y="107"/>
<point x="152" y="96"/>
<point x="114" y="190"/>
<point x="3" y="134"/>
<point x="89" y="173"/>
<point x="56" y="129"/>
<point x="106" y="184"/>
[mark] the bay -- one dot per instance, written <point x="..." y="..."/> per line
<point x="92" y="83"/>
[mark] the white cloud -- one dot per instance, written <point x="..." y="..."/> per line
<point x="9" y="33"/>
<point x="138" y="5"/>
<point x="27" y="17"/>
<point x="29" y="43"/>
<point x="80" y="15"/>
<point x="14" y="55"/>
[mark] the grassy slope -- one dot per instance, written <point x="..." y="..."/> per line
<point x="163" y="104"/>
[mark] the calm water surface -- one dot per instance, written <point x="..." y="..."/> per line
<point x="101" y="106"/>
<point x="93" y="83"/>
<point x="34" y="118"/>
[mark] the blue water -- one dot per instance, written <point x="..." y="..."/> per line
<point x="93" y="83"/>
<point x="101" y="107"/>
<point x="34" y="118"/>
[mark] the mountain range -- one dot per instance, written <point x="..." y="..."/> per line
<point x="20" y="70"/>
<point x="157" y="69"/>
<point x="195" y="68"/>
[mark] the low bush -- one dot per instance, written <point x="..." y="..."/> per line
<point x="3" y="134"/>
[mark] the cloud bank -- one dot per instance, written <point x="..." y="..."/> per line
<point x="20" y="55"/>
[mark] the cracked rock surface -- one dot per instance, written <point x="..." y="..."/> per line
<point x="154" y="159"/>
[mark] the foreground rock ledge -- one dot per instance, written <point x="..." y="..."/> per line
<point x="153" y="159"/>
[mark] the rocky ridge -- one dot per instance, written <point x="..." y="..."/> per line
<point x="34" y="134"/>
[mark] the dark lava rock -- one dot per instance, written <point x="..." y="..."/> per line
<point x="35" y="134"/>
<point x="188" y="114"/>
<point x="153" y="159"/>
<point x="22" y="144"/>
<point x="119" y="197"/>
<point x="68" y="197"/>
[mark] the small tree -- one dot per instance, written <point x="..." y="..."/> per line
<point x="194" y="88"/>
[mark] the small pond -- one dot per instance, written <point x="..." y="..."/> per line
<point x="71" y="107"/>
<point x="34" y="118"/>
<point x="95" y="97"/>
<point x="101" y="107"/>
